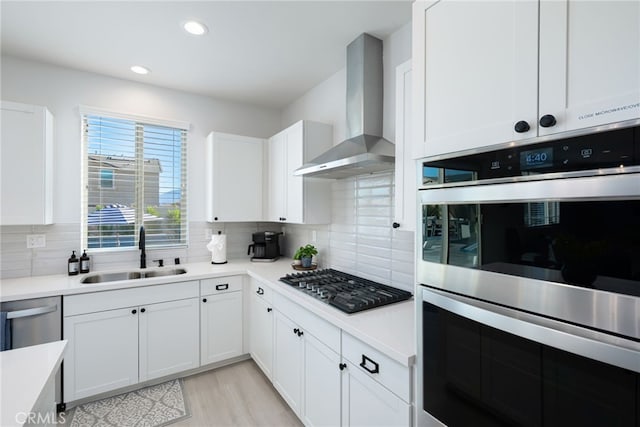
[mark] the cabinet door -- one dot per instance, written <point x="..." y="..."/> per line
<point x="405" y="173"/>
<point x="589" y="66"/>
<point x="277" y="184"/>
<point x="169" y="339"/>
<point x="321" y="384"/>
<point x="234" y="177"/>
<point x="221" y="327"/>
<point x="294" y="204"/>
<point x="287" y="361"/>
<point x="478" y="62"/>
<point x="102" y="354"/>
<point x="26" y="164"/>
<point x="261" y="334"/>
<point x="367" y="403"/>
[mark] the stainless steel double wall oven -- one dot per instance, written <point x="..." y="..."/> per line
<point x="528" y="263"/>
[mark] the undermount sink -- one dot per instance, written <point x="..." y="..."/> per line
<point x="163" y="272"/>
<point x="131" y="275"/>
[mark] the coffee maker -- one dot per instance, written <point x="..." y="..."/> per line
<point x="266" y="246"/>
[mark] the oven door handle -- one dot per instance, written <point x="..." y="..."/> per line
<point x="595" y="345"/>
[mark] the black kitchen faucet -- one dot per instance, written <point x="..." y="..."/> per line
<point x="141" y="244"/>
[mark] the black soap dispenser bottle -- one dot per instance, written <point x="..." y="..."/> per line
<point x="84" y="262"/>
<point x="73" y="264"/>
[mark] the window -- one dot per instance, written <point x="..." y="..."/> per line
<point x="134" y="175"/>
<point x="106" y="178"/>
<point x="541" y="213"/>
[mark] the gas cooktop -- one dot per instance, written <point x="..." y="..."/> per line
<point x="344" y="291"/>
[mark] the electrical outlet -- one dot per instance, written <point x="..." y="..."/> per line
<point x="36" y="241"/>
<point x="314" y="236"/>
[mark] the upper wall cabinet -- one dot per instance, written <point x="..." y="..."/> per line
<point x="234" y="177"/>
<point x="482" y="78"/>
<point x="296" y="199"/>
<point x="27" y="165"/>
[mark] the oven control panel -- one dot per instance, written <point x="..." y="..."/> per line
<point x="611" y="149"/>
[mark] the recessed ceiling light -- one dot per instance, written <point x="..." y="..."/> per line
<point x="195" y="28"/>
<point x="139" y="69"/>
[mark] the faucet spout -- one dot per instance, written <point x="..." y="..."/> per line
<point x="141" y="246"/>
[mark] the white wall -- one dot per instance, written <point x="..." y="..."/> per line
<point x="326" y="102"/>
<point x="62" y="90"/>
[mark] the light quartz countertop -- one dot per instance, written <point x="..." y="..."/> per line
<point x="390" y="329"/>
<point x="25" y="373"/>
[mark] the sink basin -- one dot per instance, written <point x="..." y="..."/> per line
<point x="112" y="277"/>
<point x="164" y="272"/>
<point x="131" y="275"/>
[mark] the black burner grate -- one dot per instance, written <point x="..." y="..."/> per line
<point x="344" y="291"/>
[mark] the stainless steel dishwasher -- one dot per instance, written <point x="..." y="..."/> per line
<point x="31" y="322"/>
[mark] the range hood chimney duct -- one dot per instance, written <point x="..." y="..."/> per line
<point x="364" y="151"/>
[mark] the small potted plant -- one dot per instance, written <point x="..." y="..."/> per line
<point x="305" y="255"/>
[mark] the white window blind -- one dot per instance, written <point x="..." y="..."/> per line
<point x="134" y="175"/>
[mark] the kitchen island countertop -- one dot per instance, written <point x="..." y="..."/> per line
<point x="25" y="373"/>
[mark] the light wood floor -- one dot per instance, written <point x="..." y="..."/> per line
<point x="235" y="395"/>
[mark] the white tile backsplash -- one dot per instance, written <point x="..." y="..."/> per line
<point x="359" y="240"/>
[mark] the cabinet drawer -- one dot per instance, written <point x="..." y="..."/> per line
<point x="219" y="285"/>
<point x="309" y="322"/>
<point x="131" y="297"/>
<point x="261" y="290"/>
<point x="378" y="366"/>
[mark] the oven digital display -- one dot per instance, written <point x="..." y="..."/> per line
<point x="536" y="159"/>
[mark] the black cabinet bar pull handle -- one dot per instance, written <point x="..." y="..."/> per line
<point x="142" y="310"/>
<point x="260" y="291"/>
<point x="364" y="366"/>
<point x="395" y="225"/>
<point x="522" y="127"/>
<point x="342" y="366"/>
<point x="134" y="311"/>
<point x="204" y="300"/>
<point x="296" y="330"/>
<point x="269" y="309"/>
<point x="222" y="287"/>
<point x="300" y="333"/>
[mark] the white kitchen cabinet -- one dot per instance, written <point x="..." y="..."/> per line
<point x="261" y="327"/>
<point x="296" y="199"/>
<point x="221" y="314"/>
<point x="365" y="402"/>
<point x="321" y="404"/>
<point x="235" y="167"/>
<point x="102" y="354"/>
<point x="479" y="62"/>
<point x="406" y="177"/>
<point x="287" y="369"/>
<point x="168" y="340"/>
<point x="26" y="194"/>
<point x="376" y="390"/>
<point x="123" y="337"/>
<point x="306" y="367"/>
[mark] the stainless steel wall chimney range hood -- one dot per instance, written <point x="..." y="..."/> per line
<point x="364" y="150"/>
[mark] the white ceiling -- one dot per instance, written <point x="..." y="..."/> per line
<point x="266" y="53"/>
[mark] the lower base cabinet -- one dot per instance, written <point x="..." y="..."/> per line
<point x="321" y="391"/>
<point x="168" y="340"/>
<point x="365" y="402"/>
<point x="89" y="363"/>
<point x="261" y="327"/>
<point x="122" y="337"/>
<point x="221" y="314"/>
<point x="306" y="373"/>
